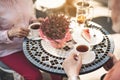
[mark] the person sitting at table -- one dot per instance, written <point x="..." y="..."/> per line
<point x="15" y="16"/>
<point x="112" y="66"/>
<point x="73" y="63"/>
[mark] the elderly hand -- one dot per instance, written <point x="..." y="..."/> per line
<point x="113" y="60"/>
<point x="72" y="65"/>
<point x="18" y="32"/>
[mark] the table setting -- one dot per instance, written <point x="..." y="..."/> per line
<point x="58" y="36"/>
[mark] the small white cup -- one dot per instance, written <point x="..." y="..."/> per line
<point x="34" y="31"/>
<point x="82" y="48"/>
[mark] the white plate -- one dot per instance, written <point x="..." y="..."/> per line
<point x="97" y="38"/>
<point x="56" y="52"/>
<point x="77" y="37"/>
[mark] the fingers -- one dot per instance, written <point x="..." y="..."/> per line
<point x="74" y="57"/>
<point x="25" y="31"/>
<point x="18" y="32"/>
<point x="33" y="21"/>
<point x="111" y="55"/>
<point x="114" y="59"/>
<point x="40" y="19"/>
<point x="22" y="32"/>
<point x="79" y="59"/>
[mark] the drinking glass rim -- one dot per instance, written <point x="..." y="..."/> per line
<point x="82" y="4"/>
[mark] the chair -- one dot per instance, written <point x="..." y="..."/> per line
<point x="105" y="22"/>
<point x="8" y="74"/>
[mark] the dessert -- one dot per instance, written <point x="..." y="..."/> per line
<point x="86" y="34"/>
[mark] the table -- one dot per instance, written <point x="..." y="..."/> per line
<point x="41" y="54"/>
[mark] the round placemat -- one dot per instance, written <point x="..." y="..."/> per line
<point x="42" y="55"/>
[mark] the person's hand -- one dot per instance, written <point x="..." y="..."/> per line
<point x="33" y="21"/>
<point x="18" y="32"/>
<point x="110" y="63"/>
<point x="72" y="65"/>
<point x="41" y="19"/>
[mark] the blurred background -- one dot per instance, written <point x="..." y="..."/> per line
<point x="101" y="12"/>
<point x="101" y="15"/>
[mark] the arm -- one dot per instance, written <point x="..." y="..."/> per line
<point x="111" y="62"/>
<point x="12" y="27"/>
<point x="17" y="32"/>
<point x="3" y="32"/>
<point x="6" y="36"/>
<point x="114" y="73"/>
<point x="72" y="66"/>
<point x="74" y="78"/>
<point x="112" y="66"/>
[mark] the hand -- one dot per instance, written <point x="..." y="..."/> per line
<point x="33" y="21"/>
<point x="41" y="19"/>
<point x="72" y="65"/>
<point x="18" y="32"/>
<point x="110" y="63"/>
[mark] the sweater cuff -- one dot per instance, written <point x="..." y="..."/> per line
<point x="74" y="78"/>
<point x="4" y="37"/>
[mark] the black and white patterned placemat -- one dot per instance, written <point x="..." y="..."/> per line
<point x="45" y="57"/>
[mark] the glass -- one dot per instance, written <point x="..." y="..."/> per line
<point x="84" y="12"/>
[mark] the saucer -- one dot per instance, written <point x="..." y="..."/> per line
<point x="33" y="38"/>
<point x="88" y="57"/>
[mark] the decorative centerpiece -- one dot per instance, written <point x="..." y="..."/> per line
<point x="55" y="28"/>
